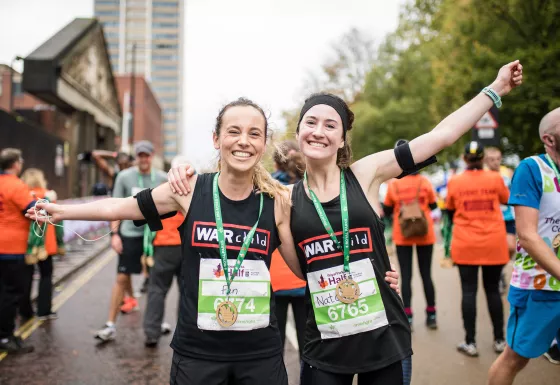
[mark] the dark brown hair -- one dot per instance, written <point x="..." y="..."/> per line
<point x="344" y="154"/>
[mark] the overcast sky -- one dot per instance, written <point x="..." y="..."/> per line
<point x="261" y="49"/>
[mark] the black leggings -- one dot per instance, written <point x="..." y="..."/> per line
<point x="44" y="298"/>
<point x="389" y="375"/>
<point x="300" y="316"/>
<point x="404" y="253"/>
<point x="469" y="285"/>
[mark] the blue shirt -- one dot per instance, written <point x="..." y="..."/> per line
<point x="526" y="190"/>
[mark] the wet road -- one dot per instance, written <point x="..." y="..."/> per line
<point x="66" y="352"/>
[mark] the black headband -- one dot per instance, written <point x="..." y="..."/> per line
<point x="329" y="101"/>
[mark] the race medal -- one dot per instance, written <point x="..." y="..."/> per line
<point x="42" y="254"/>
<point x="556" y="241"/>
<point x="347" y="291"/>
<point x="150" y="261"/>
<point x="226" y="314"/>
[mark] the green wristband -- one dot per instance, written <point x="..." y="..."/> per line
<point x="493" y="95"/>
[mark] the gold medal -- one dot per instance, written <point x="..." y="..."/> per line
<point x="42" y="254"/>
<point x="150" y="261"/>
<point x="556" y="241"/>
<point x="347" y="291"/>
<point x="226" y="314"/>
<point x="30" y="259"/>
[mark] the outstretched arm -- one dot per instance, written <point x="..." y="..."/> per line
<point x="111" y="209"/>
<point x="377" y="168"/>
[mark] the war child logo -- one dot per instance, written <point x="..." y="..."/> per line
<point x="205" y="234"/>
<point x="323" y="247"/>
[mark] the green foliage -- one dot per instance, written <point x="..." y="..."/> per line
<point x="441" y="55"/>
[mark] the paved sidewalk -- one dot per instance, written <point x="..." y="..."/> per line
<point x="78" y="254"/>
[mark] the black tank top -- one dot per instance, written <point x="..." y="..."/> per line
<point x="199" y="241"/>
<point x="368" y="350"/>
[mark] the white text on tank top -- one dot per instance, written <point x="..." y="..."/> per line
<point x="526" y="273"/>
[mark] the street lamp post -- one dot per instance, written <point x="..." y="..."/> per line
<point x="132" y="98"/>
<point x="17" y="58"/>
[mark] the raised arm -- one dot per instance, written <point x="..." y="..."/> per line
<point x="374" y="169"/>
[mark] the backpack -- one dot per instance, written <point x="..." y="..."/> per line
<point x="412" y="220"/>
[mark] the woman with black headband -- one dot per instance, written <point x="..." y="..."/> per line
<point x="356" y="324"/>
<point x="226" y="331"/>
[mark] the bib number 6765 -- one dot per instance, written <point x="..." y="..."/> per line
<point x="341" y="310"/>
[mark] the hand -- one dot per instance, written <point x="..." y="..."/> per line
<point x="178" y="178"/>
<point x="116" y="243"/>
<point x="509" y="77"/>
<point x="45" y="212"/>
<point x="393" y="278"/>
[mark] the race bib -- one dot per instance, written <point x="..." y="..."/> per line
<point x="250" y="292"/>
<point x="336" y="319"/>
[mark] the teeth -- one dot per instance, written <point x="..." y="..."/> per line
<point x="241" y="154"/>
<point x="315" y="144"/>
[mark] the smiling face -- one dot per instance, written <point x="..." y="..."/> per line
<point x="241" y="138"/>
<point x="320" y="133"/>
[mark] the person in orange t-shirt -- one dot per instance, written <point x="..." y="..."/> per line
<point x="478" y="241"/>
<point x="405" y="190"/>
<point x="167" y="263"/>
<point x="35" y="179"/>
<point x="15" y="199"/>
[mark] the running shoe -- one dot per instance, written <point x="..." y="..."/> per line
<point x="165" y="328"/>
<point x="468" y="349"/>
<point x="499" y="346"/>
<point x="553" y="355"/>
<point x="15" y="345"/>
<point x="431" y="321"/>
<point x="150" y="342"/>
<point x="106" y="333"/>
<point x="51" y="316"/>
<point x="130" y="305"/>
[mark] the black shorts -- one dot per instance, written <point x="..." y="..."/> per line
<point x="510" y="227"/>
<point x="193" y="371"/>
<point x="131" y="257"/>
<point x="389" y="375"/>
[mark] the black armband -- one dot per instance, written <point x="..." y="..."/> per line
<point x="433" y="206"/>
<point x="149" y="211"/>
<point x="406" y="161"/>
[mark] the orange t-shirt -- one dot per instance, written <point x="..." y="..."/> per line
<point x="281" y="277"/>
<point x="169" y="236"/>
<point x="14" y="227"/>
<point x="406" y="190"/>
<point x="50" y="237"/>
<point x="479" y="231"/>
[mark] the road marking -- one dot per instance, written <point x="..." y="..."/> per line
<point x="30" y="326"/>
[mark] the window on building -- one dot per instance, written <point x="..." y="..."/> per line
<point x="164" y="68"/>
<point x="166" y="46"/>
<point x="165" y="25"/>
<point x="109" y="24"/>
<point x="170" y="36"/>
<point x="170" y="110"/>
<point x="164" y="15"/>
<point x="135" y="14"/>
<point x="111" y="35"/>
<point x="106" y="2"/>
<point x="165" y="4"/>
<point x="165" y="57"/>
<point x="17" y="88"/>
<point x="164" y="78"/>
<point x="106" y="13"/>
<point x="165" y="89"/>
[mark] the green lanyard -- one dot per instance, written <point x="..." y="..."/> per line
<point x="221" y="237"/>
<point x="327" y="224"/>
<point x="553" y="167"/>
<point x="148" y="235"/>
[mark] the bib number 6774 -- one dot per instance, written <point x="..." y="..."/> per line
<point x="239" y="302"/>
<point x="351" y="310"/>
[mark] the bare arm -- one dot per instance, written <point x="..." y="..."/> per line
<point x="113" y="209"/>
<point x="526" y="222"/>
<point x="287" y="248"/>
<point x="374" y="169"/>
<point x="99" y="156"/>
